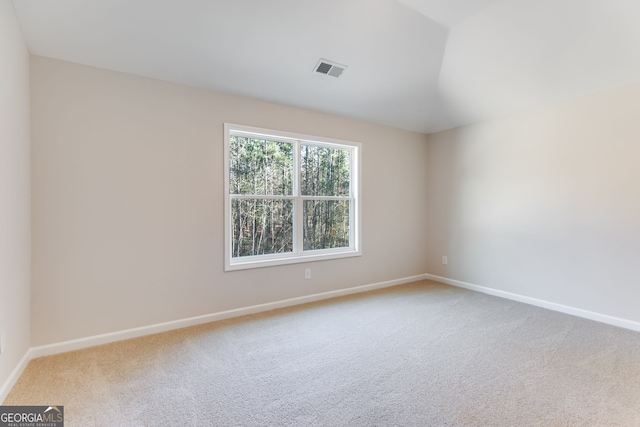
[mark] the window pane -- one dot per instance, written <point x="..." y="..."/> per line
<point x="324" y="171"/>
<point x="261" y="226"/>
<point x="326" y="224"/>
<point x="260" y="167"/>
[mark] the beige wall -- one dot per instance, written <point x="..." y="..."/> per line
<point x="15" y="235"/>
<point x="128" y="203"/>
<point x="544" y="204"/>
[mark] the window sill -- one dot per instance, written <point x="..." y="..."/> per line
<point x="256" y="262"/>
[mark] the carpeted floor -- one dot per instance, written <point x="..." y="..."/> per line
<point x="423" y="354"/>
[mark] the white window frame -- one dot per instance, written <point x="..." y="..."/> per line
<point x="298" y="255"/>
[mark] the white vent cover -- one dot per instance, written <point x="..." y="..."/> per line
<point x="329" y="68"/>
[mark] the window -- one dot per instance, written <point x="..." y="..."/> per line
<point x="289" y="198"/>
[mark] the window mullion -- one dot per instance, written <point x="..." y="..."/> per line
<point x="261" y="196"/>
<point x="298" y="216"/>
<point x="326" y="197"/>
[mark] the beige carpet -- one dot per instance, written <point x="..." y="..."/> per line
<point x="423" y="354"/>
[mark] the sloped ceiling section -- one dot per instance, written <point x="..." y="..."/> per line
<point x="257" y="48"/>
<point x="421" y="65"/>
<point x="519" y="54"/>
<point x="448" y="12"/>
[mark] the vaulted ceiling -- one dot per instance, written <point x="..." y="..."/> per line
<point x="421" y="65"/>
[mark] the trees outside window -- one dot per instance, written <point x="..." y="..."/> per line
<point x="289" y="198"/>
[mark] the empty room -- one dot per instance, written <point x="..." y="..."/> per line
<point x="319" y="213"/>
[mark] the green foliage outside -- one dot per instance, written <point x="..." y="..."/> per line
<point x="324" y="171"/>
<point x="262" y="167"/>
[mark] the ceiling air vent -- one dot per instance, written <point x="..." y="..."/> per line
<point x="329" y="68"/>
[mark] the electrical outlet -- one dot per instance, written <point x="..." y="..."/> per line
<point x="445" y="260"/>
<point x="307" y="273"/>
<point x="3" y="342"/>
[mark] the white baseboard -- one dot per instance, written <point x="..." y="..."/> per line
<point x="61" y="347"/>
<point x="77" y="344"/>
<point x="91" y="341"/>
<point x="15" y="374"/>
<point x="603" y="318"/>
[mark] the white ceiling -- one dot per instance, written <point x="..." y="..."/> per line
<point x="422" y="65"/>
<point x="448" y="12"/>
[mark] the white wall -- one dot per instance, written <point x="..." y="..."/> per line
<point x="128" y="203"/>
<point x="15" y="193"/>
<point x="544" y="204"/>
